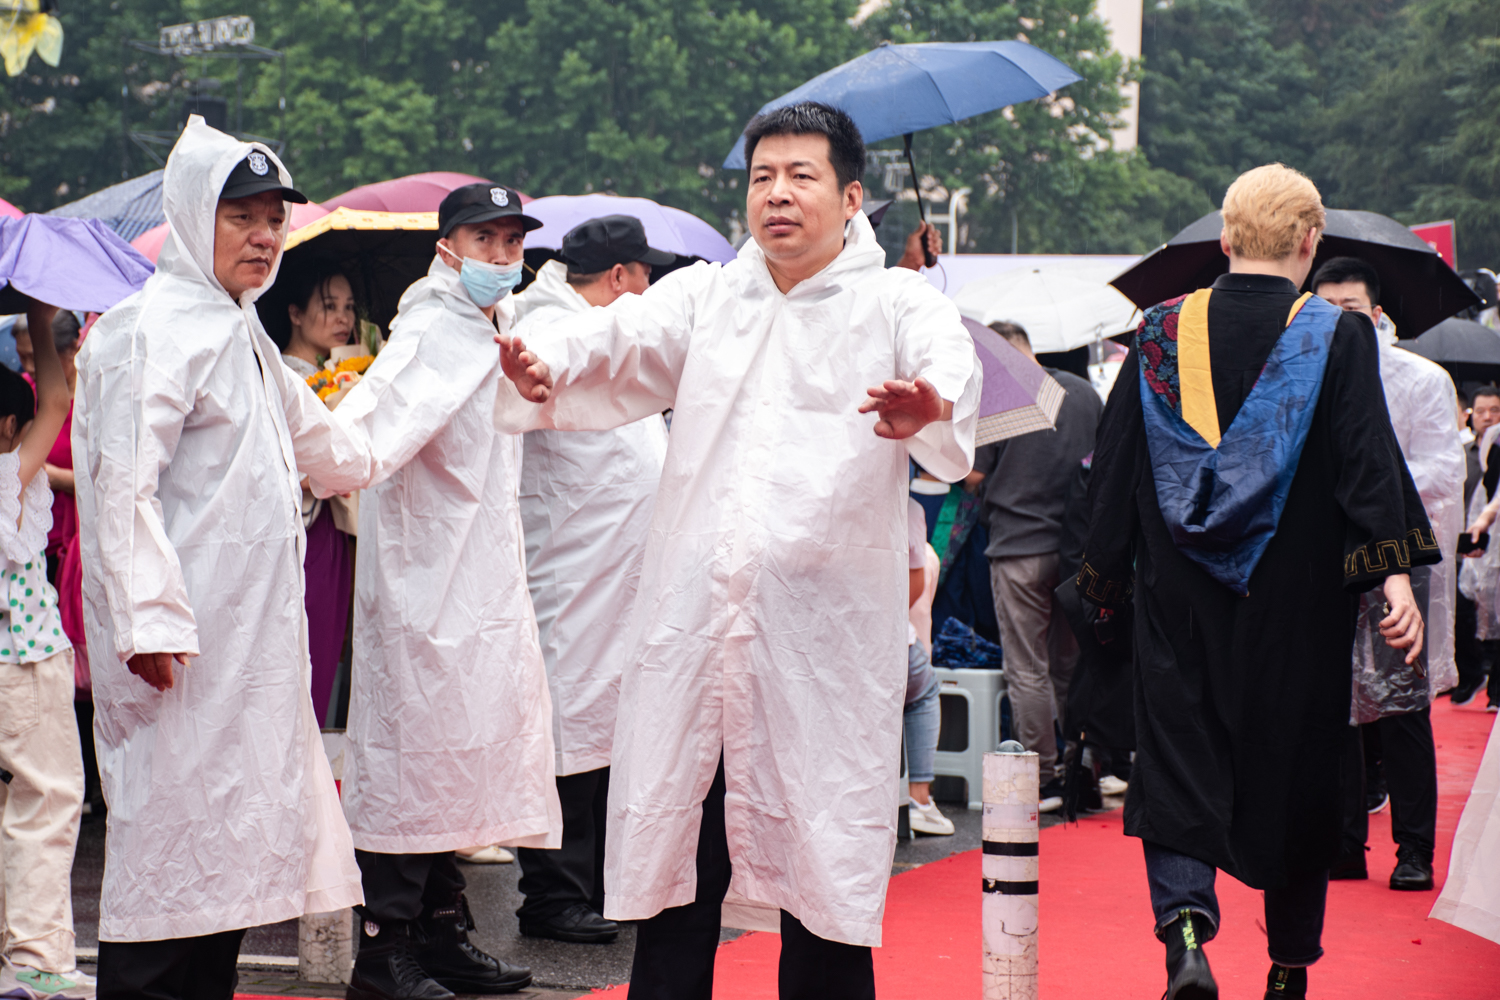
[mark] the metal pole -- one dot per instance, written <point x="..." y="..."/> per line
<point x="1011" y="784"/>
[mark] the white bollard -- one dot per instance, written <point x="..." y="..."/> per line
<point x="1011" y="784"/>
<point x="325" y="947"/>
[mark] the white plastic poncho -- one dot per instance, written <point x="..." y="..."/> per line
<point x="1479" y="577"/>
<point x="450" y="723"/>
<point x="1471" y="893"/>
<point x="586" y="506"/>
<point x="190" y="433"/>
<point x="1424" y="414"/>
<point x="771" y="621"/>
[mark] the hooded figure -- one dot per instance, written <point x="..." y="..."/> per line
<point x="771" y="625"/>
<point x="586" y="504"/>
<point x="192" y="438"/>
<point x="450" y="721"/>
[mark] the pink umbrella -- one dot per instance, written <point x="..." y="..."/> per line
<point x="9" y="211"/>
<point x="416" y="193"/>
<point x="150" y="242"/>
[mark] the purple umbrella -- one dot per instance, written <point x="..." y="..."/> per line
<point x="1018" y="396"/>
<point x="77" y="264"/>
<point x="669" y="229"/>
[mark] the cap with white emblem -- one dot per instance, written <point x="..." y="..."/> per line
<point x="254" y="174"/>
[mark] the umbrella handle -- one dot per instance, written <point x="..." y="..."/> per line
<point x="911" y="162"/>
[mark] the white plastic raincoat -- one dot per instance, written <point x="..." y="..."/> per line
<point x="450" y="723"/>
<point x="190" y="431"/>
<point x="771" y="621"/>
<point x="1424" y="414"/>
<point x="586" y="506"/>
<point x="1479" y="577"/>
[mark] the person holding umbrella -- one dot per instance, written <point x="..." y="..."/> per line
<point x="450" y="720"/>
<point x="586" y="506"/>
<point x="757" y="749"/>
<point x="1246" y="487"/>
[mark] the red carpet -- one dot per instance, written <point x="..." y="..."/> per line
<point x="1096" y="939"/>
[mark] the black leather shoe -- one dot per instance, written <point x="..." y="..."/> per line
<point x="386" y="967"/>
<point x="1466" y="690"/>
<point x="1413" y="872"/>
<point x="1188" y="975"/>
<point x="1283" y="983"/>
<point x="445" y="952"/>
<point x="1350" y="864"/>
<point x="578" y="924"/>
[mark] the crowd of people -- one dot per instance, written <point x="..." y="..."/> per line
<point x="628" y="591"/>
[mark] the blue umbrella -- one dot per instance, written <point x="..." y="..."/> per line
<point x="900" y="89"/>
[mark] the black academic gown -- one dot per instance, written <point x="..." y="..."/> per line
<point x="1242" y="703"/>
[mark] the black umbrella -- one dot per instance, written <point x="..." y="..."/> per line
<point x="381" y="253"/>
<point x="1470" y="351"/>
<point x="1418" y="288"/>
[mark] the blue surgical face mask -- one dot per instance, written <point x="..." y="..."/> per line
<point x="486" y="283"/>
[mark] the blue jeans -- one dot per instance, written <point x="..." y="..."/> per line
<point x="1294" y="912"/>
<point x="921" y="718"/>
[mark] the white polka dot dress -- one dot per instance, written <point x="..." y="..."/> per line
<point x="30" y="617"/>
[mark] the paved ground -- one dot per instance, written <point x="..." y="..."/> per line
<point x="561" y="970"/>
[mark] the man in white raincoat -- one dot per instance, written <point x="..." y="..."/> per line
<point x="757" y="746"/>
<point x="192" y="438"/>
<point x="586" y="505"/>
<point x="450" y="723"/>
<point x="1392" y="701"/>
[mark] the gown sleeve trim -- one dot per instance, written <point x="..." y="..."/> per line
<point x="1100" y="590"/>
<point x="1377" y="560"/>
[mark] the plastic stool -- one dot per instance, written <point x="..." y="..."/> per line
<point x="970" y="704"/>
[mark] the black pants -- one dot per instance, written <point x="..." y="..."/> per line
<point x="552" y="881"/>
<point x="674" y="950"/>
<point x="1409" y="760"/>
<point x="405" y="886"/>
<point x="1467" y="655"/>
<point x="194" y="968"/>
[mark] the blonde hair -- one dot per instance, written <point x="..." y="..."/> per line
<point x="1268" y="211"/>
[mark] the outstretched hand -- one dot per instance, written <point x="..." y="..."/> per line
<point x="530" y="374"/>
<point x="156" y="668"/>
<point x="1402" y="627"/>
<point x="905" y="407"/>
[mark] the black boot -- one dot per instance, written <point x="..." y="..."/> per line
<point x="1413" y="871"/>
<point x="386" y="967"/>
<point x="1188" y="975"/>
<point x="449" y="958"/>
<point x="1283" y="983"/>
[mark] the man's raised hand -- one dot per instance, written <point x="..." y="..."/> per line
<point x="530" y="374"/>
<point x="905" y="407"/>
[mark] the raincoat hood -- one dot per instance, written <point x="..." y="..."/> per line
<point x="196" y="171"/>
<point x="861" y="251"/>
<point x="549" y="290"/>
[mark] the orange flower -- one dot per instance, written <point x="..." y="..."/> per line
<point x="356" y="364"/>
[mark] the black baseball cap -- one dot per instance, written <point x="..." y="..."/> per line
<point x="256" y="173"/>
<point x="480" y="203"/>
<point x="599" y="244"/>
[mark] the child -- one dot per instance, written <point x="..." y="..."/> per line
<point x="42" y="804"/>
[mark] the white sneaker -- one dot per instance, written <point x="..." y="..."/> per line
<point x="1111" y="785"/>
<point x="488" y="855"/>
<point x="22" y="982"/>
<point x="926" y="819"/>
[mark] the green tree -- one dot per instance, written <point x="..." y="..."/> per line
<point x="1044" y="171"/>
<point x="1218" y="96"/>
<point x="642" y="97"/>
<point x="1421" y="140"/>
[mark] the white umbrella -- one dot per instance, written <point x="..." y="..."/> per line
<point x="1061" y="306"/>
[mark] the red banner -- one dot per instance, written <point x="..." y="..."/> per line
<point x="1439" y="236"/>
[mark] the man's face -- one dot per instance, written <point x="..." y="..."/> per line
<point x="795" y="205"/>
<point x="498" y="241"/>
<point x="1350" y="296"/>
<point x="23" y="348"/>
<point x="637" y="278"/>
<point x="1484" y="414"/>
<point x="248" y="233"/>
